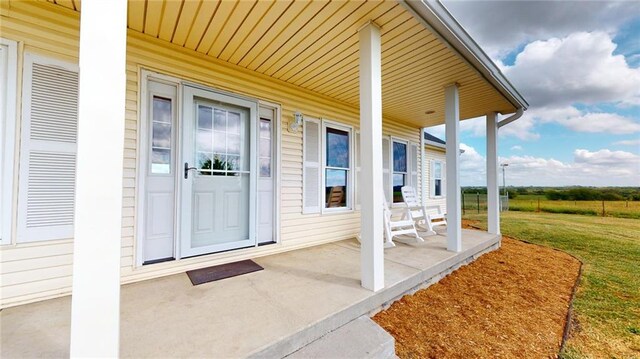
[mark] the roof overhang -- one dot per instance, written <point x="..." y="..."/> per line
<point x="435" y="16"/>
<point x="312" y="46"/>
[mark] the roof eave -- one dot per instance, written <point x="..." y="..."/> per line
<point x="440" y="21"/>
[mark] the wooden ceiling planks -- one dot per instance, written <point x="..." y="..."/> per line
<point x="314" y="45"/>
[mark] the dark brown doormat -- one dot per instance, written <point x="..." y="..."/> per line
<point x="211" y="274"/>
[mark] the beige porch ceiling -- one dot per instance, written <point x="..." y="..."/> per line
<point x="314" y="45"/>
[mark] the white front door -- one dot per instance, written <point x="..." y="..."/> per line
<point x="220" y="180"/>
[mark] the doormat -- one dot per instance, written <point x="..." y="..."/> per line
<point x="211" y="274"/>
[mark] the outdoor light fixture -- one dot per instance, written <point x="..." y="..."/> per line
<point x="296" y="123"/>
<point x="430" y="112"/>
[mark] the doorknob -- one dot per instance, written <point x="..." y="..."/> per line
<point x="187" y="169"/>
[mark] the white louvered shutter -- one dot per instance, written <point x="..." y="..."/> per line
<point x="432" y="179"/>
<point x="48" y="150"/>
<point x="413" y="166"/>
<point x="386" y="168"/>
<point x="357" y="165"/>
<point x="311" y="176"/>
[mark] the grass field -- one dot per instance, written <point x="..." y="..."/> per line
<point x="607" y="304"/>
<point x="538" y="203"/>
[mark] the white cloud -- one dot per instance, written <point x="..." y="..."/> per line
<point x="598" y="168"/>
<point x="516" y="148"/>
<point x="500" y="26"/>
<point x="628" y="142"/>
<point x="579" y="68"/>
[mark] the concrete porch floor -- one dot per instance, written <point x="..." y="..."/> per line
<point x="300" y="296"/>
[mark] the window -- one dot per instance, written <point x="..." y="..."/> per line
<point x="327" y="167"/>
<point x="220" y="151"/>
<point x="400" y="169"/>
<point x="337" y="167"/>
<point x="265" y="148"/>
<point x="8" y="69"/>
<point x="161" y="135"/>
<point x="437" y="178"/>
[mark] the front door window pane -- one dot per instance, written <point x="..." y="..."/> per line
<point x="264" y="154"/>
<point x="219" y="143"/>
<point x="161" y="135"/>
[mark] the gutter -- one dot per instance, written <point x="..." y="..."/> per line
<point x="437" y="19"/>
<point x="511" y="118"/>
<point x="434" y="144"/>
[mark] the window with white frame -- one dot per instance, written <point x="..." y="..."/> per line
<point x="437" y="179"/>
<point x="328" y="166"/>
<point x="400" y="169"/>
<point x="337" y="166"/>
<point x="8" y="70"/>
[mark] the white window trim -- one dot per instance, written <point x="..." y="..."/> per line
<point x="433" y="179"/>
<point x="323" y="165"/>
<point x="407" y="180"/>
<point x="8" y="142"/>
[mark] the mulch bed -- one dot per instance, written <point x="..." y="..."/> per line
<point x="510" y="303"/>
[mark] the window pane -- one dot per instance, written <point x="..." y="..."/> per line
<point x="204" y="163"/>
<point x="265" y="128"/>
<point x="398" y="183"/>
<point x="161" y="135"/>
<point x="204" y="138"/>
<point x="437" y="170"/>
<point x="233" y="163"/>
<point x="204" y="117"/>
<point x="220" y="120"/>
<point x="233" y="144"/>
<point x="438" y="190"/>
<point x="337" y="148"/>
<point x="265" y="147"/>
<point x="399" y="157"/>
<point x="219" y="142"/>
<point x="336" y="188"/>
<point x="265" y="167"/>
<point x="161" y="109"/>
<point x="160" y="161"/>
<point x="233" y="122"/>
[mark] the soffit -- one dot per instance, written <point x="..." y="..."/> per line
<point x="314" y="45"/>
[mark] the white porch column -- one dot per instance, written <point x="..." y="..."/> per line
<point x="371" y="191"/>
<point x="493" y="199"/>
<point x="452" y="131"/>
<point x="95" y="306"/>
<point x="423" y="167"/>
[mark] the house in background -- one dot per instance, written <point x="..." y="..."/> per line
<point x="144" y="139"/>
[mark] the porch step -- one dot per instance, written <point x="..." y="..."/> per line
<point x="360" y="338"/>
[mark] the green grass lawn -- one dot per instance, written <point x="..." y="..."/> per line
<point x="607" y="304"/>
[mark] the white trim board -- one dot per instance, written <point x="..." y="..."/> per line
<point x="8" y="136"/>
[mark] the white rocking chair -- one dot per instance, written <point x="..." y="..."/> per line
<point x="425" y="218"/>
<point x="394" y="228"/>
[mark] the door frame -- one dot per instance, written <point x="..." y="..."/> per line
<point x="144" y="74"/>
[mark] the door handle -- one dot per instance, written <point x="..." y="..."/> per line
<point x="187" y="169"/>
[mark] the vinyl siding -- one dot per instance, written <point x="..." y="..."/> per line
<point x="41" y="270"/>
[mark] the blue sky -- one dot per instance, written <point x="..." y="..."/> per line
<point x="578" y="65"/>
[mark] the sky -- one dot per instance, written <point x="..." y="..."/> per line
<point x="578" y="65"/>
